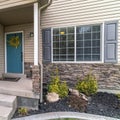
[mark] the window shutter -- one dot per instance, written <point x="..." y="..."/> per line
<point x="111" y="42"/>
<point x="46" y="36"/>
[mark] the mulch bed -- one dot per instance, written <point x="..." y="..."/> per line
<point x="100" y="104"/>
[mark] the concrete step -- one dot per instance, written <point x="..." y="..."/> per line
<point x="6" y="113"/>
<point x="13" y="75"/>
<point x="8" y="101"/>
<point x="8" y="105"/>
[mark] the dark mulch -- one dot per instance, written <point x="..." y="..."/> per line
<point x="100" y="104"/>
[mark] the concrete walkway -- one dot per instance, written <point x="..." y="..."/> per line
<point x="53" y="115"/>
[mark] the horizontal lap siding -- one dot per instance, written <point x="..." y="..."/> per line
<point x="12" y="3"/>
<point x="81" y="12"/>
<point x="28" y="41"/>
<point x="2" y="68"/>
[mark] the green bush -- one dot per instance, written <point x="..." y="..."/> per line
<point x="23" y="111"/>
<point x="58" y="87"/>
<point x="88" y="85"/>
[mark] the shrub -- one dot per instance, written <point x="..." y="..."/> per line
<point x="57" y="86"/>
<point x="23" y="111"/>
<point x="88" y="85"/>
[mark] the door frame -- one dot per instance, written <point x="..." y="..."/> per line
<point x="6" y="33"/>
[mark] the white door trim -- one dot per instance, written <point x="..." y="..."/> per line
<point x="6" y="49"/>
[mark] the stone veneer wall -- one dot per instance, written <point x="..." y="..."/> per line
<point x="28" y="69"/>
<point x="108" y="75"/>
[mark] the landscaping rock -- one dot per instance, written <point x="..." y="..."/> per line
<point x="77" y="102"/>
<point x="84" y="96"/>
<point x="52" y="97"/>
<point x="74" y="92"/>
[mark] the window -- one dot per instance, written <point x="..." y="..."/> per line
<point x="88" y="43"/>
<point x="63" y="44"/>
<point x="87" y="38"/>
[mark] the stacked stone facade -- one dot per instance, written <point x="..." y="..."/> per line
<point x="36" y="79"/>
<point x="108" y="75"/>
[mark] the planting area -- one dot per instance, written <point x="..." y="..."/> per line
<point x="58" y="97"/>
<point x="99" y="104"/>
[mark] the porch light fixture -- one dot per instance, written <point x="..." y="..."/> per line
<point x="31" y="34"/>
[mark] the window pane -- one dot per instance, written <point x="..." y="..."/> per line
<point x="71" y="58"/>
<point x="56" y="45"/>
<point x="80" y="43"/>
<point x="71" y="44"/>
<point x="71" y="30"/>
<point x="62" y="57"/>
<point x="62" y="31"/>
<point x="71" y="37"/>
<point x="80" y="30"/>
<point x="95" y="36"/>
<point x="56" y="57"/>
<point x="62" y="51"/>
<point x="96" y="28"/>
<point x="87" y="36"/>
<point x="87" y="43"/>
<point x="63" y="38"/>
<point x="62" y="44"/>
<point x="79" y="36"/>
<point x="96" y="50"/>
<point x="87" y="51"/>
<point x="55" y="38"/>
<point x="87" y="29"/>
<point x="56" y="51"/>
<point x="79" y="51"/>
<point x="80" y="57"/>
<point x="96" y="43"/>
<point x="55" y="31"/>
<point x="96" y="58"/>
<point x="70" y="50"/>
<point x="87" y="57"/>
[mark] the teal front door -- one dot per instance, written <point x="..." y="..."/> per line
<point x="14" y="53"/>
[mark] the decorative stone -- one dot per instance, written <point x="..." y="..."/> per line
<point x="84" y="96"/>
<point x="77" y="102"/>
<point x="52" y="97"/>
<point x="74" y="92"/>
<point x="36" y="79"/>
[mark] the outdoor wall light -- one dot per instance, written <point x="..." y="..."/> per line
<point x="31" y="34"/>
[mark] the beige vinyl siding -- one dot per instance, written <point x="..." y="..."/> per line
<point x="28" y="41"/>
<point x="2" y="57"/>
<point x="12" y="3"/>
<point x="81" y="12"/>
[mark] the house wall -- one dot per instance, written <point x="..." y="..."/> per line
<point x="62" y="13"/>
<point x="81" y="12"/>
<point x="2" y="58"/>
<point x="28" y="43"/>
<point x="12" y="3"/>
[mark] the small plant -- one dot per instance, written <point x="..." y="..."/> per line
<point x="23" y="111"/>
<point x="58" y="87"/>
<point x="118" y="96"/>
<point x="88" y="85"/>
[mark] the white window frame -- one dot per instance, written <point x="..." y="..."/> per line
<point x="101" y="47"/>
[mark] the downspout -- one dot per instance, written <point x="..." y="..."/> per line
<point x="41" y="64"/>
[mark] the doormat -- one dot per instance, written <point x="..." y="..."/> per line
<point x="10" y="79"/>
